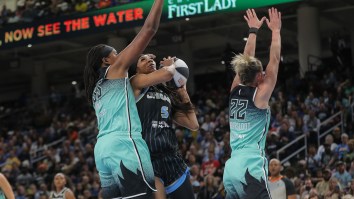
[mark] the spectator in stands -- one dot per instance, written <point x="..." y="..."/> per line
<point x="193" y="151"/>
<point x="323" y="112"/>
<point x="350" y="128"/>
<point x="81" y="6"/>
<point x="280" y="187"/>
<point x="31" y="191"/>
<point x="25" y="177"/>
<point x="12" y="161"/>
<point x="351" y="169"/>
<point x="329" y="142"/>
<point x="195" y="173"/>
<point x="273" y="144"/>
<point x="220" y="129"/>
<point x="342" y="175"/>
<point x="207" y="142"/>
<point x="306" y="188"/>
<point x="208" y="125"/>
<point x="343" y="148"/>
<point x="284" y="132"/>
<point x="209" y="189"/>
<point x="281" y="103"/>
<point x="277" y="121"/>
<point x="291" y="116"/>
<point x="311" y="101"/>
<point x="20" y="192"/>
<point x="328" y="157"/>
<point x="4" y="13"/>
<point x="334" y="190"/>
<point x="95" y="190"/>
<point x="350" y="191"/>
<point x="43" y="191"/>
<point x="323" y="185"/>
<point x="349" y="156"/>
<point x="103" y="4"/>
<point x="29" y="13"/>
<point x="337" y="135"/>
<point x="312" y="162"/>
<point x="313" y="194"/>
<point x="210" y="166"/>
<point x="312" y="126"/>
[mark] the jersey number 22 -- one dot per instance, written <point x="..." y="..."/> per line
<point x="238" y="109"/>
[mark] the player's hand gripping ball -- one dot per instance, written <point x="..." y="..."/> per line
<point x="181" y="75"/>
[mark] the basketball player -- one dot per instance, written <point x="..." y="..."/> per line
<point x="121" y="155"/>
<point x="245" y="174"/>
<point x="5" y="188"/>
<point x="60" y="190"/>
<point x="159" y="106"/>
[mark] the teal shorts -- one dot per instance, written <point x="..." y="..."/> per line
<point x="124" y="166"/>
<point x="246" y="175"/>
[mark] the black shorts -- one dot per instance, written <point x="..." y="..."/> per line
<point x="168" y="167"/>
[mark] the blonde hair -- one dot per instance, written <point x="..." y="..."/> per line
<point x="246" y="67"/>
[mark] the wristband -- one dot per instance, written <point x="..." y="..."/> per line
<point x="171" y="68"/>
<point x="253" y="30"/>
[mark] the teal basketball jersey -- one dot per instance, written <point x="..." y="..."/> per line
<point x="248" y="124"/>
<point x="114" y="104"/>
<point x="2" y="195"/>
<point x="245" y="174"/>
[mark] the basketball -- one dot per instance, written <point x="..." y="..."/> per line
<point x="181" y="75"/>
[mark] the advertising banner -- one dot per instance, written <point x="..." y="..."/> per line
<point x="113" y="18"/>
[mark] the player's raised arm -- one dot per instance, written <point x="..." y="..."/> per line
<point x="6" y="187"/>
<point x="187" y="119"/>
<point x="254" y="24"/>
<point x="147" y="75"/>
<point x="250" y="48"/>
<point x="267" y="86"/>
<point x="131" y="53"/>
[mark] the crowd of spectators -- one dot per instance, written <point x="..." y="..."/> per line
<point x="41" y="136"/>
<point x="30" y="10"/>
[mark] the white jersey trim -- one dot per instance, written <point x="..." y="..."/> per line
<point x="141" y="95"/>
<point x="130" y="135"/>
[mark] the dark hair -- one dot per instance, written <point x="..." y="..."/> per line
<point x="69" y="183"/>
<point x="91" y="72"/>
<point x="176" y="101"/>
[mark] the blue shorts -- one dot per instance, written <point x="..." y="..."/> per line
<point x="124" y="166"/>
<point x="246" y="175"/>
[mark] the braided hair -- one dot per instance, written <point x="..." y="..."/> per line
<point x="93" y="66"/>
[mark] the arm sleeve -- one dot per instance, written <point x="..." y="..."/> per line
<point x="289" y="186"/>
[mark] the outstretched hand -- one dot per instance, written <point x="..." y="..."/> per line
<point x="252" y="19"/>
<point x="274" y="21"/>
<point x="167" y="61"/>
